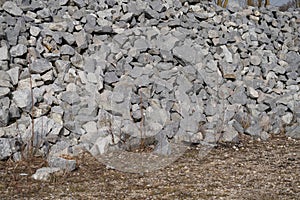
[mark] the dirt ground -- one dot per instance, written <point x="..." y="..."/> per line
<point x="248" y="170"/>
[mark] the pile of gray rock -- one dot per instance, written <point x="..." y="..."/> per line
<point x="102" y="74"/>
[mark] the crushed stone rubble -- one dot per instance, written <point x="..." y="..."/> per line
<point x="94" y="75"/>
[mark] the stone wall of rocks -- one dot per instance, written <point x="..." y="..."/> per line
<point x="102" y="74"/>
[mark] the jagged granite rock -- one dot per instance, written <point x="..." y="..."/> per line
<point x="239" y="96"/>
<point x="227" y="54"/>
<point x="4" y="116"/>
<point x="101" y="146"/>
<point x="45" y="130"/>
<point x="18" y="50"/>
<point x="14" y="75"/>
<point x="5" y="80"/>
<point x="186" y="53"/>
<point x="40" y="66"/>
<point x="229" y="134"/>
<point x="293" y="131"/>
<point x="62" y="163"/>
<point x="163" y="147"/>
<point x="23" y="98"/>
<point x="8" y="146"/>
<point x="12" y="8"/>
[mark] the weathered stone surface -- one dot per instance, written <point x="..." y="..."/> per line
<point x="185" y="53"/>
<point x="211" y="108"/>
<point x="91" y="137"/>
<point x="44" y="174"/>
<point x="4" y="79"/>
<point x="59" y="149"/>
<point x="4" y="53"/>
<point x="293" y="59"/>
<point x="229" y="134"/>
<point x="40" y="66"/>
<point x="14" y="112"/>
<point x="5" y="148"/>
<point x="34" y="31"/>
<point x="14" y="75"/>
<point x="4" y="116"/>
<point x="287" y="118"/>
<point x="293" y="131"/>
<point x="163" y="147"/>
<point x="145" y="64"/>
<point x="62" y="163"/>
<point x="110" y="77"/>
<point x="255" y="60"/>
<point x="70" y="39"/>
<point x="4" y="91"/>
<point x="22" y="98"/>
<point x="141" y="44"/>
<point x="12" y="8"/>
<point x="101" y="145"/>
<point x="56" y="26"/>
<point x="70" y="97"/>
<point x="254" y="130"/>
<point x="67" y="50"/>
<point x="45" y="130"/>
<point x="253" y="93"/>
<point x="239" y="96"/>
<point x="18" y="50"/>
<point x="80" y="39"/>
<point x="227" y="53"/>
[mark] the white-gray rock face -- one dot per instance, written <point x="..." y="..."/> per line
<point x="4" y="91"/>
<point x="22" y="98"/>
<point x="9" y="147"/>
<point x="3" y="53"/>
<point x="185" y="53"/>
<point x="5" y="148"/>
<point x="12" y="8"/>
<point x="40" y="66"/>
<point x="44" y="174"/>
<point x="18" y="50"/>
<point x="62" y="164"/>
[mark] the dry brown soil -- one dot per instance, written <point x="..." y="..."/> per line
<point x="248" y="170"/>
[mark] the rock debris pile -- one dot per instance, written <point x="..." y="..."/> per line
<point x="106" y="74"/>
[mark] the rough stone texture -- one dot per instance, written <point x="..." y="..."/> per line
<point x="294" y="131"/>
<point x="40" y="66"/>
<point x="4" y="79"/>
<point x="4" y="91"/>
<point x="18" y="50"/>
<point x="227" y="53"/>
<point x="46" y="130"/>
<point x="229" y="134"/>
<point x="101" y="145"/>
<point x="22" y="98"/>
<point x="101" y="72"/>
<point x="12" y="8"/>
<point x="5" y="148"/>
<point x="14" y="75"/>
<point x="185" y="53"/>
<point x="61" y="163"/>
<point x="141" y="45"/>
<point x="4" y="116"/>
<point x="44" y="173"/>
<point x="4" y="53"/>
<point x="255" y="60"/>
